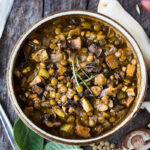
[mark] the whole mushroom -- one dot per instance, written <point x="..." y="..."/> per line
<point x="137" y="140"/>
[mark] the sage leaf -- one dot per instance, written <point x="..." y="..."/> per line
<point x="25" y="138"/>
<point x="57" y="146"/>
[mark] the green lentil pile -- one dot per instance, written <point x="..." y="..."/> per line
<point x="104" y="145"/>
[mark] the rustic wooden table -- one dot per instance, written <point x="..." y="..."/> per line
<point x="26" y="12"/>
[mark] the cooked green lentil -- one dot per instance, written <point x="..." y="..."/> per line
<point x="76" y="77"/>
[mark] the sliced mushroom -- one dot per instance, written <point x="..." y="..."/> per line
<point x="36" y="80"/>
<point x="64" y="44"/>
<point x="37" y="89"/>
<point x="137" y="140"/>
<point x="76" y="43"/>
<point x="100" y="105"/>
<point x="99" y="52"/>
<point x="92" y="48"/>
<point x="40" y="55"/>
<point x="52" y="124"/>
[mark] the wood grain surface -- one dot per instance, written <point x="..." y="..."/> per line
<point x="26" y="12"/>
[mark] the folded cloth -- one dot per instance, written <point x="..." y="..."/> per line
<point x="5" y="7"/>
<point x="114" y="10"/>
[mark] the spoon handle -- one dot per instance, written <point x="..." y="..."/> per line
<point x="8" y="127"/>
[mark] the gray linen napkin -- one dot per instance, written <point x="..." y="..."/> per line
<point x="5" y="7"/>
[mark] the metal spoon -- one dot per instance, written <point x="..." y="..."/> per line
<point x="8" y="127"/>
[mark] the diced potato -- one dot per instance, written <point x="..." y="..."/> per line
<point x="35" y="41"/>
<point x="36" y="80"/>
<point x="100" y="105"/>
<point x="24" y="82"/>
<point x="86" y="25"/>
<point x="100" y="36"/>
<point x="101" y="119"/>
<point x="86" y="105"/>
<point x="71" y="119"/>
<point x="40" y="56"/>
<point x="42" y="65"/>
<point x="106" y="125"/>
<point x="79" y="88"/>
<point x="110" y="104"/>
<point x="131" y="70"/>
<point x="106" y="115"/>
<point x="130" y="91"/>
<point x="98" y="129"/>
<point x="105" y="99"/>
<point x="129" y="100"/>
<point x="91" y="122"/>
<point x="73" y="32"/>
<point x="112" y="119"/>
<point x="90" y="57"/>
<point x="82" y="33"/>
<point x="60" y="113"/>
<point x="76" y="43"/>
<point x="60" y="37"/>
<point x="26" y="70"/>
<point x="127" y="81"/>
<point x="83" y="51"/>
<point x="43" y="73"/>
<point x="100" y="80"/>
<point x="83" y="131"/>
<point x="112" y="61"/>
<point x="28" y="111"/>
<point x="57" y="30"/>
<point x="17" y="72"/>
<point x="56" y="57"/>
<point x="70" y="93"/>
<point x="123" y="55"/>
<point x="33" y="96"/>
<point x="96" y="90"/>
<point x="71" y="110"/>
<point x="45" y="104"/>
<point x="52" y="94"/>
<point x="122" y="113"/>
<point x="68" y="128"/>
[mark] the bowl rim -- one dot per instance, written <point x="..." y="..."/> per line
<point x="40" y="131"/>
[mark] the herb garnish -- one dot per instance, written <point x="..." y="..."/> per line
<point x="74" y="73"/>
<point x="92" y="77"/>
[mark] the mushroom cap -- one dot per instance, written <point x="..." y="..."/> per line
<point x="137" y="139"/>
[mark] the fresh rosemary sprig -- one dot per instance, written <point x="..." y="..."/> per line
<point x="81" y="68"/>
<point x="74" y="74"/>
<point x="92" y="77"/>
<point x="84" y="83"/>
<point x="88" y="66"/>
<point x="85" y="73"/>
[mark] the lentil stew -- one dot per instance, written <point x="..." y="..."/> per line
<point x="76" y="77"/>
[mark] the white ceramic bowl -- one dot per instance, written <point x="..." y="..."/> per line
<point x="142" y="78"/>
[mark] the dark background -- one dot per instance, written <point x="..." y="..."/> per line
<point x="26" y="12"/>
